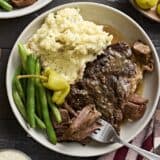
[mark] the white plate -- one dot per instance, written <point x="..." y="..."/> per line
<point x="23" y="11"/>
<point x="132" y="31"/>
<point x="148" y="13"/>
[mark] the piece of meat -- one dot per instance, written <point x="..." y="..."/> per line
<point x="143" y="54"/>
<point x="109" y="81"/>
<point x="69" y="109"/>
<point x="135" y="107"/>
<point x="133" y="111"/>
<point x="81" y="96"/>
<point x="22" y="3"/>
<point x="141" y="48"/>
<point x="61" y="128"/>
<point x="82" y="125"/>
<point x="138" y="99"/>
<point x="148" y="66"/>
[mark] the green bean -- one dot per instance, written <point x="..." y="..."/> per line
<point x="18" y="84"/>
<point x="23" y="82"/>
<point x="17" y="91"/>
<point x="49" y="127"/>
<point x="38" y="105"/>
<point x="54" y="109"/>
<point x="40" y="123"/>
<point x="18" y="102"/>
<point x="5" y="5"/>
<point x="30" y="103"/>
<point x="44" y="106"/>
<point x="21" y="108"/>
<point x="19" y="88"/>
<point x="23" y="55"/>
<point x="38" y="70"/>
<point x="37" y="81"/>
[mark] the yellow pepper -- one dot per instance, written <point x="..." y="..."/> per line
<point x="58" y="84"/>
<point x="146" y="4"/>
<point x="158" y="9"/>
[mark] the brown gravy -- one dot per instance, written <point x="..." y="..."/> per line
<point x="140" y="88"/>
<point x="117" y="36"/>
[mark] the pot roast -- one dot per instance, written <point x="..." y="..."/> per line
<point x="107" y="90"/>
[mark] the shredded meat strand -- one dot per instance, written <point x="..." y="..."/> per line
<point x="83" y="125"/>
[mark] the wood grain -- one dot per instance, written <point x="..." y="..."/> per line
<point x="11" y="133"/>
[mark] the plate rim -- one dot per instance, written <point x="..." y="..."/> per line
<point x="69" y="5"/>
<point x="25" y="12"/>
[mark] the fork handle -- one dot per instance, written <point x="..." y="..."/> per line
<point x="144" y="153"/>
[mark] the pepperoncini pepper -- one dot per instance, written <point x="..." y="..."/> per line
<point x="58" y="84"/>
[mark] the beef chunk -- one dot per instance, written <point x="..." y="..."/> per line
<point x="82" y="125"/>
<point x="137" y="99"/>
<point x="61" y="128"/>
<point x="22" y="3"/>
<point x="135" y="107"/>
<point x="143" y="54"/>
<point x="141" y="48"/>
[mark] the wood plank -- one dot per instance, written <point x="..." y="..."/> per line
<point x="5" y="112"/>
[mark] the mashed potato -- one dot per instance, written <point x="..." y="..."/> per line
<point x="65" y="42"/>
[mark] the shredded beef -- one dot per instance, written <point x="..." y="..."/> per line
<point x="82" y="125"/>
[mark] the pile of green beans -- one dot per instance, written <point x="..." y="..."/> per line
<point x="4" y="4"/>
<point x="20" y="103"/>
<point x="31" y="98"/>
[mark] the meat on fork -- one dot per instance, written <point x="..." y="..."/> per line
<point x="82" y="125"/>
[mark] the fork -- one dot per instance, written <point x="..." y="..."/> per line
<point x="107" y="134"/>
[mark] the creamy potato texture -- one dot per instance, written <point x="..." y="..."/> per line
<point x="66" y="42"/>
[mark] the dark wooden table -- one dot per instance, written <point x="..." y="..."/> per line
<point x="11" y="134"/>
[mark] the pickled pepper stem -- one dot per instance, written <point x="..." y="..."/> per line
<point x="44" y="78"/>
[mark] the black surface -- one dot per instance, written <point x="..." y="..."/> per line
<point x="11" y="134"/>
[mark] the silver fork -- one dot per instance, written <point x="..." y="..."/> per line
<point x="107" y="134"/>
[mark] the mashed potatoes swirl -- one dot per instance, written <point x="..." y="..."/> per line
<point x="66" y="42"/>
